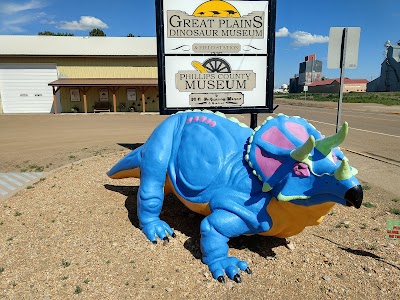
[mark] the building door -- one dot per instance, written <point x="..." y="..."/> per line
<point x="24" y="87"/>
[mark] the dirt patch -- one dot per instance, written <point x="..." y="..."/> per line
<point x="75" y="234"/>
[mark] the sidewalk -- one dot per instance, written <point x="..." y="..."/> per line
<point x="11" y="183"/>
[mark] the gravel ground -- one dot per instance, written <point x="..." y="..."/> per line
<point x="75" y="235"/>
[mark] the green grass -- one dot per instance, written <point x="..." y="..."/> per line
<point x="342" y="224"/>
<point x="366" y="187"/>
<point x="395" y="211"/>
<point x="65" y="263"/>
<point x="1" y="269"/>
<point x="78" y="290"/>
<point x="387" y="98"/>
<point x="369" y="205"/>
<point x="36" y="168"/>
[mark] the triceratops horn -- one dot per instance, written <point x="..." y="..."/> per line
<point x="325" y="145"/>
<point x="302" y="152"/>
<point x="344" y="171"/>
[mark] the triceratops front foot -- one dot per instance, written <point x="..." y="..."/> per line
<point x="157" y="228"/>
<point x="214" y="246"/>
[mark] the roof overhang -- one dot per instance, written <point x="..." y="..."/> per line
<point x="78" y="82"/>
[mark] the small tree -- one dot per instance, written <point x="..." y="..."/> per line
<point x="97" y="32"/>
<point x="55" y="34"/>
<point x="130" y="35"/>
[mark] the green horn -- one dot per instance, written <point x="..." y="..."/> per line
<point x="344" y="171"/>
<point x="301" y="153"/>
<point x="325" y="145"/>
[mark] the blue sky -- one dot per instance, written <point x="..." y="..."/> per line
<point x="302" y="26"/>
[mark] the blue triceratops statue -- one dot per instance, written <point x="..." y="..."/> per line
<point x="273" y="181"/>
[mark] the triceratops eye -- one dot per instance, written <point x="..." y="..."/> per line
<point x="301" y="169"/>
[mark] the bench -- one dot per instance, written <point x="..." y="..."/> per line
<point x="102" y="106"/>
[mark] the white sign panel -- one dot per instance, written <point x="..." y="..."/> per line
<point x="352" y="44"/>
<point x="131" y="94"/>
<point x="215" y="26"/>
<point x="215" y="81"/>
<point x="103" y="94"/>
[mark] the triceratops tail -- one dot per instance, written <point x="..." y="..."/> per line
<point x="127" y="166"/>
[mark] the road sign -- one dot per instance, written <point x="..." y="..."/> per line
<point x="352" y="44"/>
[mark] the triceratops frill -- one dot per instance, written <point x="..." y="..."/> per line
<point x="276" y="180"/>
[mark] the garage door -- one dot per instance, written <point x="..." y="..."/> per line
<point x="24" y="88"/>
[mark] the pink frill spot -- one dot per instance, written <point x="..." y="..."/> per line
<point x="208" y="121"/>
<point x="297" y="130"/>
<point x="268" y="165"/>
<point x="213" y="123"/>
<point x="189" y="120"/>
<point x="196" y="119"/>
<point x="202" y="119"/>
<point x="334" y="157"/>
<point x="276" y="137"/>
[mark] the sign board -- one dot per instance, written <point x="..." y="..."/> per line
<point x="131" y="94"/>
<point x="103" y="94"/>
<point x="305" y="88"/>
<point x="216" y="54"/>
<point x="334" y="49"/>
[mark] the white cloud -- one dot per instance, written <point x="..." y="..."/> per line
<point x="282" y="32"/>
<point x="12" y="8"/>
<point x="14" y="18"/>
<point x="85" y="23"/>
<point x="302" y="38"/>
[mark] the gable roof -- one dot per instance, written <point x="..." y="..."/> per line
<point x="42" y="45"/>
<point x="330" y="81"/>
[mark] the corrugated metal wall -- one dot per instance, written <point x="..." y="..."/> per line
<point x="95" y="67"/>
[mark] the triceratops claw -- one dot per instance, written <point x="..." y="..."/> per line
<point x="221" y="279"/>
<point x="237" y="278"/>
<point x="248" y="271"/>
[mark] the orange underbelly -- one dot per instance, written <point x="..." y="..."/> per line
<point x="289" y="219"/>
<point x="200" y="208"/>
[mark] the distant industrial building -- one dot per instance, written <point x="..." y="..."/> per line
<point x="333" y="86"/>
<point x="310" y="70"/>
<point x="389" y="81"/>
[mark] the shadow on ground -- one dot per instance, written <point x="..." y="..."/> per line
<point x="130" y="146"/>
<point x="359" y="252"/>
<point x="184" y="220"/>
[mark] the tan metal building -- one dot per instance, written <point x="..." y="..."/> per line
<point x="86" y="74"/>
<point x="333" y="86"/>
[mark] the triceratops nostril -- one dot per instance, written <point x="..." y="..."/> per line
<point x="354" y="196"/>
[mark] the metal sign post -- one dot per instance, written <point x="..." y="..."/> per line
<point x="343" y="53"/>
